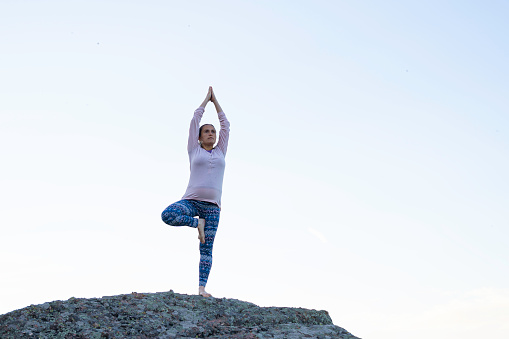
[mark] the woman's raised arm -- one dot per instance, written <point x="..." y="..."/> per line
<point x="224" y="132"/>
<point x="194" y="128"/>
<point x="207" y="98"/>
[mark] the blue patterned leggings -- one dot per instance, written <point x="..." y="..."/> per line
<point x="182" y="213"/>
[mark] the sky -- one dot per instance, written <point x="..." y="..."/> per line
<point x="366" y="171"/>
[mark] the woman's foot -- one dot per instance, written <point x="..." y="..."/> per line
<point x="201" y="230"/>
<point x="203" y="293"/>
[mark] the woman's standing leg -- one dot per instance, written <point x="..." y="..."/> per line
<point x="181" y="213"/>
<point x="210" y="212"/>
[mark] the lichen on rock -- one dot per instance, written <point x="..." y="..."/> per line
<point x="165" y="315"/>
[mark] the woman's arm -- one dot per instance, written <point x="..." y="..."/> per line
<point x="224" y="132"/>
<point x="194" y="128"/>
<point x="207" y="98"/>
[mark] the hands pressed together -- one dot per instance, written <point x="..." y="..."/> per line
<point x="211" y="97"/>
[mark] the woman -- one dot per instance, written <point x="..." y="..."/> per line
<point x="203" y="195"/>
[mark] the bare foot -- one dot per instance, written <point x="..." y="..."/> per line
<point x="201" y="230"/>
<point x="203" y="293"/>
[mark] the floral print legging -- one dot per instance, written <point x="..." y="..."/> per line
<point x="183" y="213"/>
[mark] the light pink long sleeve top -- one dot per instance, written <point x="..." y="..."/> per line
<point x="207" y="168"/>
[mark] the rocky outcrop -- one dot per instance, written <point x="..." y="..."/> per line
<point x="165" y="315"/>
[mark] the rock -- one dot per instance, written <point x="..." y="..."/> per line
<point x="165" y="315"/>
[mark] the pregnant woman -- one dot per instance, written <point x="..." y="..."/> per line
<point x="203" y="195"/>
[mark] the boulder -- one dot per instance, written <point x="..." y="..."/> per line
<point x="165" y="315"/>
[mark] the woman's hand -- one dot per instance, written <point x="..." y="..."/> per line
<point x="207" y="98"/>
<point x="209" y="93"/>
<point x="215" y="102"/>
<point x="213" y="96"/>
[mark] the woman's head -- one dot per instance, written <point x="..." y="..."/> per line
<point x="207" y="136"/>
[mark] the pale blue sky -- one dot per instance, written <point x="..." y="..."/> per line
<point x="366" y="171"/>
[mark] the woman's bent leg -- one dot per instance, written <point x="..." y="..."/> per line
<point x="211" y="217"/>
<point x="181" y="213"/>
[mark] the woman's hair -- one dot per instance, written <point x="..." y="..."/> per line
<point x="199" y="134"/>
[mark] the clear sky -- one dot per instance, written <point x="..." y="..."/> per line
<point x="366" y="172"/>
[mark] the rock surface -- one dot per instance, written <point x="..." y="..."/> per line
<point x="165" y="315"/>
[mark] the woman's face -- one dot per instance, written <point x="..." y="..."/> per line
<point x="208" y="135"/>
